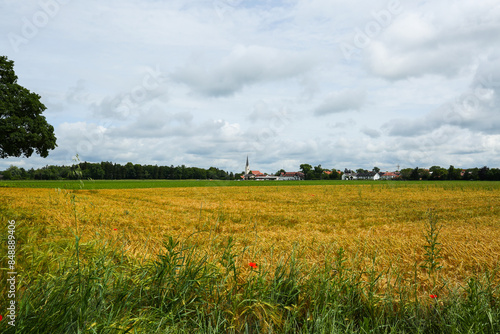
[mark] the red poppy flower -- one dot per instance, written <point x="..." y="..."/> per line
<point x="433" y="296"/>
<point x="1" y="318"/>
<point x="253" y="265"/>
<point x="115" y="229"/>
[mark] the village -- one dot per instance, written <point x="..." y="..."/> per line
<point x="259" y="176"/>
<point x="297" y="176"/>
<point x="436" y="173"/>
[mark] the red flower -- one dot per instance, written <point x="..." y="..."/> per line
<point x="115" y="229"/>
<point x="1" y="318"/>
<point x="253" y="265"/>
<point x="433" y="296"/>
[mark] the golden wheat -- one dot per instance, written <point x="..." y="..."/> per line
<point x="384" y="222"/>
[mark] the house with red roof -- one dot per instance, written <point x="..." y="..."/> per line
<point x="389" y="175"/>
<point x="291" y="176"/>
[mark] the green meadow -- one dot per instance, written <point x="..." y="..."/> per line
<point x="138" y="184"/>
<point x="144" y="184"/>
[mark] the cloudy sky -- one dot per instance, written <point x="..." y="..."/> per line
<point x="344" y="84"/>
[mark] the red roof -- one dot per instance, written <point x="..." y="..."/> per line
<point x="291" y="174"/>
<point x="390" y="174"/>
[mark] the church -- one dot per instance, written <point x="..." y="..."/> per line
<point x="258" y="176"/>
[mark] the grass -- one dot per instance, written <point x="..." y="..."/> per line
<point x="180" y="291"/>
<point x="360" y="258"/>
<point x="146" y="184"/>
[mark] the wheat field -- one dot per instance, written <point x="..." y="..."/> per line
<point x="378" y="225"/>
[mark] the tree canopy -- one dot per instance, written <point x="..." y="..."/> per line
<point x="23" y="128"/>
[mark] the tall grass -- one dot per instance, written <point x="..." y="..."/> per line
<point x="95" y="288"/>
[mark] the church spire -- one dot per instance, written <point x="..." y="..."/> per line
<point x="247" y="168"/>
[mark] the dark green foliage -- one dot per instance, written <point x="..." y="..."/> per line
<point x="112" y="171"/>
<point x="109" y="171"/>
<point x="23" y="129"/>
<point x="307" y="170"/>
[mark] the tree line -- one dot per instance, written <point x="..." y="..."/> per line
<point x="451" y="173"/>
<point x="319" y="173"/>
<point x="114" y="171"/>
<point x="435" y="173"/>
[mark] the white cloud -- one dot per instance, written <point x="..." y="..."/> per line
<point x="435" y="39"/>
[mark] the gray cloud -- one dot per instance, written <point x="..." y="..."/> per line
<point x="475" y="110"/>
<point x="372" y="133"/>
<point x="346" y="100"/>
<point x="78" y="93"/>
<point x="342" y="125"/>
<point x="273" y="115"/>
<point x="155" y="123"/>
<point x="144" y="90"/>
<point x="406" y="128"/>
<point x="244" y="66"/>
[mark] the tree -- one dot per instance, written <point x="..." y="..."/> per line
<point x="376" y="169"/>
<point x="335" y="175"/>
<point x="278" y="173"/>
<point x="424" y="174"/>
<point x="23" y="129"/>
<point x="454" y="173"/>
<point x="438" y="173"/>
<point x="483" y="173"/>
<point x="406" y="173"/>
<point x="471" y="174"/>
<point x="96" y="172"/>
<point x="415" y="174"/>
<point x="493" y="174"/>
<point x="318" y="172"/>
<point x="130" y="171"/>
<point x="12" y="173"/>
<point x="306" y="169"/>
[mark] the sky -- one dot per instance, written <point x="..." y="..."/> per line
<point x="345" y="84"/>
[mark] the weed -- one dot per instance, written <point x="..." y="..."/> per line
<point x="432" y="247"/>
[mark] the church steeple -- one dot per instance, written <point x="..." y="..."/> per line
<point x="247" y="168"/>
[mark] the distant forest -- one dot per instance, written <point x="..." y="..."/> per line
<point x="114" y="171"/>
<point x="439" y="173"/>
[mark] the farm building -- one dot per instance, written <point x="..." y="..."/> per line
<point x="389" y="175"/>
<point x="291" y="176"/>
<point x="350" y="175"/>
